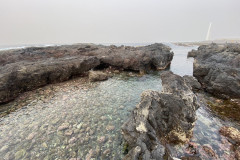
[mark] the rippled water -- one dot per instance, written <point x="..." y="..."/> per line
<point x="76" y="119"/>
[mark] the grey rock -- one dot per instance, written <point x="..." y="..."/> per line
<point x="101" y="139"/>
<point x="169" y="115"/>
<point x="63" y="126"/>
<point x="192" y="82"/>
<point x="30" y="68"/>
<point x="68" y="132"/>
<point x="217" y="68"/>
<point x="72" y="140"/>
<point x="211" y="48"/>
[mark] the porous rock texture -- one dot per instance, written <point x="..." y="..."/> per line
<point x="234" y="135"/>
<point x="26" y="69"/>
<point x="161" y="117"/>
<point x="217" y="68"/>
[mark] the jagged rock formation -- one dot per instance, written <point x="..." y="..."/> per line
<point x="163" y="117"/>
<point x="217" y="68"/>
<point x="26" y="69"/>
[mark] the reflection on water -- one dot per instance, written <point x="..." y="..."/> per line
<point x="76" y="119"/>
<point x="182" y="65"/>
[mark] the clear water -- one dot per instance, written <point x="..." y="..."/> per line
<point x="76" y="119"/>
<point x="182" y="65"/>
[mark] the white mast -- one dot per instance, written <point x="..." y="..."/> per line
<point x="209" y="29"/>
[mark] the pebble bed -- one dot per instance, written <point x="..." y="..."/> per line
<point x="76" y="120"/>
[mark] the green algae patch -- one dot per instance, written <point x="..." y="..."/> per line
<point x="229" y="109"/>
<point x="125" y="148"/>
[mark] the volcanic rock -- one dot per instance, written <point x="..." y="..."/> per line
<point x="192" y="81"/>
<point x="30" y="68"/>
<point x="217" y="68"/>
<point x="166" y="116"/>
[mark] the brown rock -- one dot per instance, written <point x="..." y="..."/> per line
<point x="97" y="76"/>
<point x="110" y="127"/>
<point x="231" y="133"/>
<point x="101" y="139"/>
<point x="31" y="136"/>
<point x="68" y="132"/>
<point x="63" y="126"/>
<point x="237" y="153"/>
<point x="209" y="151"/>
<point x="72" y="140"/>
<point x="106" y="152"/>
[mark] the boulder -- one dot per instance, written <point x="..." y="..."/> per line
<point x="160" y="117"/>
<point x="217" y="68"/>
<point x="97" y="76"/>
<point x="27" y="69"/>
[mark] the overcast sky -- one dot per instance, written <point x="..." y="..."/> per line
<point x="105" y="21"/>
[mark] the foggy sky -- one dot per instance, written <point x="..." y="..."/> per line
<point x="116" y="21"/>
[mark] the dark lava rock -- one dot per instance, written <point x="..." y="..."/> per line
<point x="19" y="77"/>
<point x="192" y="82"/>
<point x="97" y="76"/>
<point x="217" y="68"/>
<point x="211" y="48"/>
<point x="168" y="116"/>
<point x="26" y="69"/>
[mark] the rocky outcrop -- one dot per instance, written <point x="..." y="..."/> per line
<point x="24" y="76"/>
<point x="26" y="69"/>
<point x="210" y="48"/>
<point x="168" y="116"/>
<point x="97" y="76"/>
<point x="217" y="68"/>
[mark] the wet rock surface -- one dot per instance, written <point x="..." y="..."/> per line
<point x="217" y="68"/>
<point x="225" y="109"/>
<point x="233" y="135"/>
<point x="167" y="116"/>
<point x="26" y="69"/>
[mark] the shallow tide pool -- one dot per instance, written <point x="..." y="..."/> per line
<point x="78" y="119"/>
